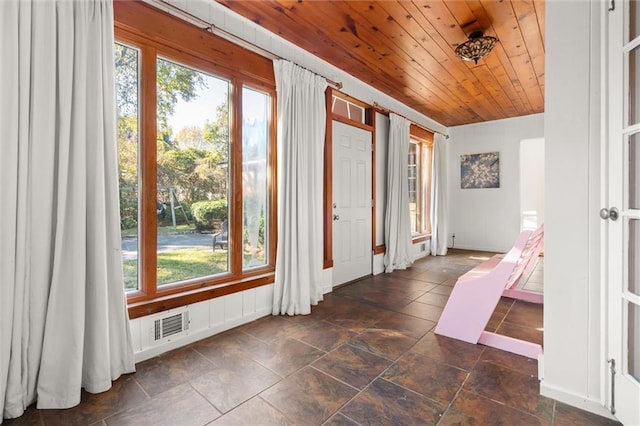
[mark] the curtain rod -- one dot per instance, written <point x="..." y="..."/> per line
<point x="207" y="26"/>
<point x="384" y="110"/>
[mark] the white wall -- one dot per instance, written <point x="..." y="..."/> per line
<point x="531" y="183"/>
<point x="573" y="362"/>
<point x="489" y="219"/>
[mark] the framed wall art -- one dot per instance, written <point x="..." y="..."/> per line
<point x="480" y="170"/>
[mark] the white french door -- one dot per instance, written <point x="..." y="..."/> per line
<point x="352" y="209"/>
<point x="623" y="212"/>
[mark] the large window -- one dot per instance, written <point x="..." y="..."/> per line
<point x="419" y="175"/>
<point x="195" y="155"/>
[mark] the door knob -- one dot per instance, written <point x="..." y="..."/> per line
<point x="611" y="213"/>
<point x="336" y="217"/>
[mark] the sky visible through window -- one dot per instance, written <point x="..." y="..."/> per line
<point x="196" y="111"/>
<point x="203" y="107"/>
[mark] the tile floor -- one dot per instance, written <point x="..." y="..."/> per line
<point x="366" y="355"/>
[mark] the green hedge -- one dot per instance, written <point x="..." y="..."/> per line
<point x="207" y="213"/>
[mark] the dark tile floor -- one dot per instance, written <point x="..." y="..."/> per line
<point x="366" y="355"/>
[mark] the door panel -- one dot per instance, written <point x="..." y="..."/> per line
<point x="352" y="257"/>
<point x="623" y="232"/>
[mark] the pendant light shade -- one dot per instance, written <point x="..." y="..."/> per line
<point x="477" y="47"/>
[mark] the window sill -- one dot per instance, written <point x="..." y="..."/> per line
<point x="172" y="301"/>
<point x="420" y="238"/>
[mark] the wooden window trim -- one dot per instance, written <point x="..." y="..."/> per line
<point x="158" y="34"/>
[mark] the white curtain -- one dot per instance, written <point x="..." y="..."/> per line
<point x="301" y="132"/>
<point x="63" y="313"/>
<point x="439" y="225"/>
<point x="397" y="220"/>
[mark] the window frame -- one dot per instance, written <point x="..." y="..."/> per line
<point x="156" y="34"/>
<point x="424" y="153"/>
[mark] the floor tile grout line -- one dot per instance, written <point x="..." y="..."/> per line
<point x="214" y="406"/>
<point x="511" y="406"/>
<point x="149" y="398"/>
<point x="268" y="403"/>
<point x="455" y="396"/>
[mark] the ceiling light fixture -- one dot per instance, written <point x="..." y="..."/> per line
<point x="477" y="47"/>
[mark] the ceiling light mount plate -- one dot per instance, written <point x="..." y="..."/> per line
<point x="477" y="47"/>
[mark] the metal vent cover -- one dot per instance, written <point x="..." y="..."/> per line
<point x="168" y="326"/>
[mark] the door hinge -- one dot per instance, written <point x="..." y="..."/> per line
<point x="372" y="203"/>
<point x="612" y="369"/>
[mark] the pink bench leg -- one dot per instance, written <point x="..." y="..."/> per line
<point x="524" y="295"/>
<point x="510" y="344"/>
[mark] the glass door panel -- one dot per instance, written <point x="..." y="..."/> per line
<point x="634" y="340"/>
<point x="634" y="172"/>
<point x="634" y="257"/>
<point x="634" y="85"/>
<point x="634" y="19"/>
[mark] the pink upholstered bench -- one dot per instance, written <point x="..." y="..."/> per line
<point x="476" y="294"/>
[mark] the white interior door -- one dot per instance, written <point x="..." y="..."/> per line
<point x="623" y="211"/>
<point x="352" y="203"/>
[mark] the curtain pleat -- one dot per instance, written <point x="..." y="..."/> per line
<point x="397" y="220"/>
<point x="439" y="223"/>
<point x="301" y="131"/>
<point x="64" y="318"/>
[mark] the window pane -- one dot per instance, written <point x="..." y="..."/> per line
<point x="425" y="157"/>
<point x="634" y="19"/>
<point x="193" y="173"/>
<point x="340" y="107"/>
<point x="126" y="73"/>
<point x="634" y="256"/>
<point x="634" y="86"/>
<point x="356" y="113"/>
<point x="634" y="340"/>
<point x="634" y="171"/>
<point x="255" y="141"/>
<point x="348" y="109"/>
<point x="414" y="184"/>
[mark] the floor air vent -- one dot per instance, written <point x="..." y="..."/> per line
<point x="168" y="326"/>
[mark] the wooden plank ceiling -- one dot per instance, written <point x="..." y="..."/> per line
<point x="406" y="49"/>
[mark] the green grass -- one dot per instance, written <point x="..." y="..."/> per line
<point x="180" y="265"/>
